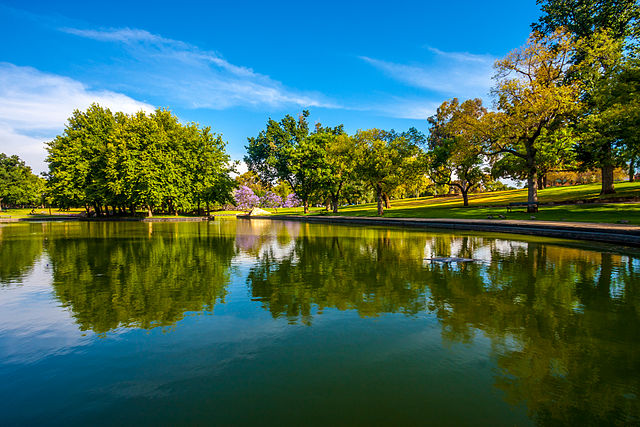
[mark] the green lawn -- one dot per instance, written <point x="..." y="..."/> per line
<point x="481" y="206"/>
<point x="485" y="204"/>
<point x="44" y="213"/>
<point x="39" y="213"/>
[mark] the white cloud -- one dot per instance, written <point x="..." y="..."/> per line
<point x="459" y="74"/>
<point x="192" y="77"/>
<point x="34" y="107"/>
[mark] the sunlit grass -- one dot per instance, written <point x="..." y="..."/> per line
<point x="494" y="204"/>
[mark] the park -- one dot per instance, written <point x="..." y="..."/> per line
<point x="253" y="253"/>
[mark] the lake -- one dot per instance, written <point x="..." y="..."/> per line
<point x="251" y="322"/>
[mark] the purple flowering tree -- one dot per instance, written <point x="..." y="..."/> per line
<point x="245" y="198"/>
<point x="271" y="200"/>
<point x="292" y="201"/>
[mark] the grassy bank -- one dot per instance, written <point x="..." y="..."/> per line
<point x="55" y="213"/>
<point x="584" y="205"/>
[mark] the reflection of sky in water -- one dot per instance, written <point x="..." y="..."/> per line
<point x="33" y="325"/>
<point x="391" y="328"/>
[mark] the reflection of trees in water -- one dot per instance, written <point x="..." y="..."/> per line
<point x="342" y="268"/>
<point x="564" y="323"/>
<point x="564" y="344"/>
<point x="20" y="248"/>
<point x="134" y="278"/>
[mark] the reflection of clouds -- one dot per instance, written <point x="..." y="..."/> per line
<point x="259" y="237"/>
<point x="32" y="325"/>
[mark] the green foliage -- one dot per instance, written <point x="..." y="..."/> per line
<point x="455" y="141"/>
<point x="286" y="152"/>
<point x="609" y="124"/>
<point x="148" y="160"/>
<point x="535" y="104"/>
<point x="18" y="185"/>
<point x="385" y="160"/>
<point x="582" y="18"/>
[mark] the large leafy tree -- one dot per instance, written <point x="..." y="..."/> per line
<point x="140" y="160"/>
<point x="583" y="18"/>
<point x="455" y="144"/>
<point x="385" y="161"/>
<point x="339" y="162"/>
<point x="285" y="151"/>
<point x="535" y="103"/>
<point x="18" y="185"/>
<point x="608" y="123"/>
<point x="608" y="31"/>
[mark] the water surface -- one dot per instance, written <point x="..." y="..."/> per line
<point x="286" y="323"/>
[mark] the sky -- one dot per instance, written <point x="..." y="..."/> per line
<point x="233" y="65"/>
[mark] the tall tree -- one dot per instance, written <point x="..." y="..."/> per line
<point x="608" y="31"/>
<point x="608" y="124"/>
<point x="18" y="185"/>
<point x="149" y="160"/>
<point x="583" y="18"/>
<point x="455" y="143"/>
<point x="385" y="161"/>
<point x="535" y="102"/>
<point x="286" y="151"/>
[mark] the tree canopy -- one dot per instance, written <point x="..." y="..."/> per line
<point x="141" y="160"/>
<point x="18" y="185"/>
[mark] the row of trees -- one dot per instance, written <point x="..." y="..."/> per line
<point x="567" y="100"/>
<point x="117" y="162"/>
<point x="327" y="165"/>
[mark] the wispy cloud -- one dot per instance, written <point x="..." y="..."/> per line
<point x="192" y="77"/>
<point x="34" y="107"/>
<point x="413" y="108"/>
<point x="460" y="74"/>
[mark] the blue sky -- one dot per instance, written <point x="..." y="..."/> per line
<point x="232" y="65"/>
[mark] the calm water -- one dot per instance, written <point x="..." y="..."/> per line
<point x="239" y="322"/>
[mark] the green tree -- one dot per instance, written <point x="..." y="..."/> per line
<point x="455" y="143"/>
<point x="285" y="151"/>
<point x="535" y="104"/>
<point x="583" y="18"/>
<point x="608" y="126"/>
<point x="603" y="28"/>
<point x="18" y="185"/>
<point x="385" y="161"/>
<point x="127" y="161"/>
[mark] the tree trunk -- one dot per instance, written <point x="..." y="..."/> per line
<point x="632" y="169"/>
<point x="607" y="180"/>
<point x="387" y="201"/>
<point x="209" y="211"/>
<point x="465" y="197"/>
<point x="149" y="211"/>
<point x="532" y="191"/>
<point x="379" y="199"/>
<point x="306" y="206"/>
<point x="334" y="203"/>
<point x="0" y="205"/>
<point x="133" y="210"/>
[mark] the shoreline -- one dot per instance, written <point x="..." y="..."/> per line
<point x="114" y="219"/>
<point x="599" y="232"/>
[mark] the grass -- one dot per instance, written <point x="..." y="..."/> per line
<point x="39" y="213"/>
<point x="55" y="213"/>
<point x="480" y="206"/>
<point x="486" y="204"/>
